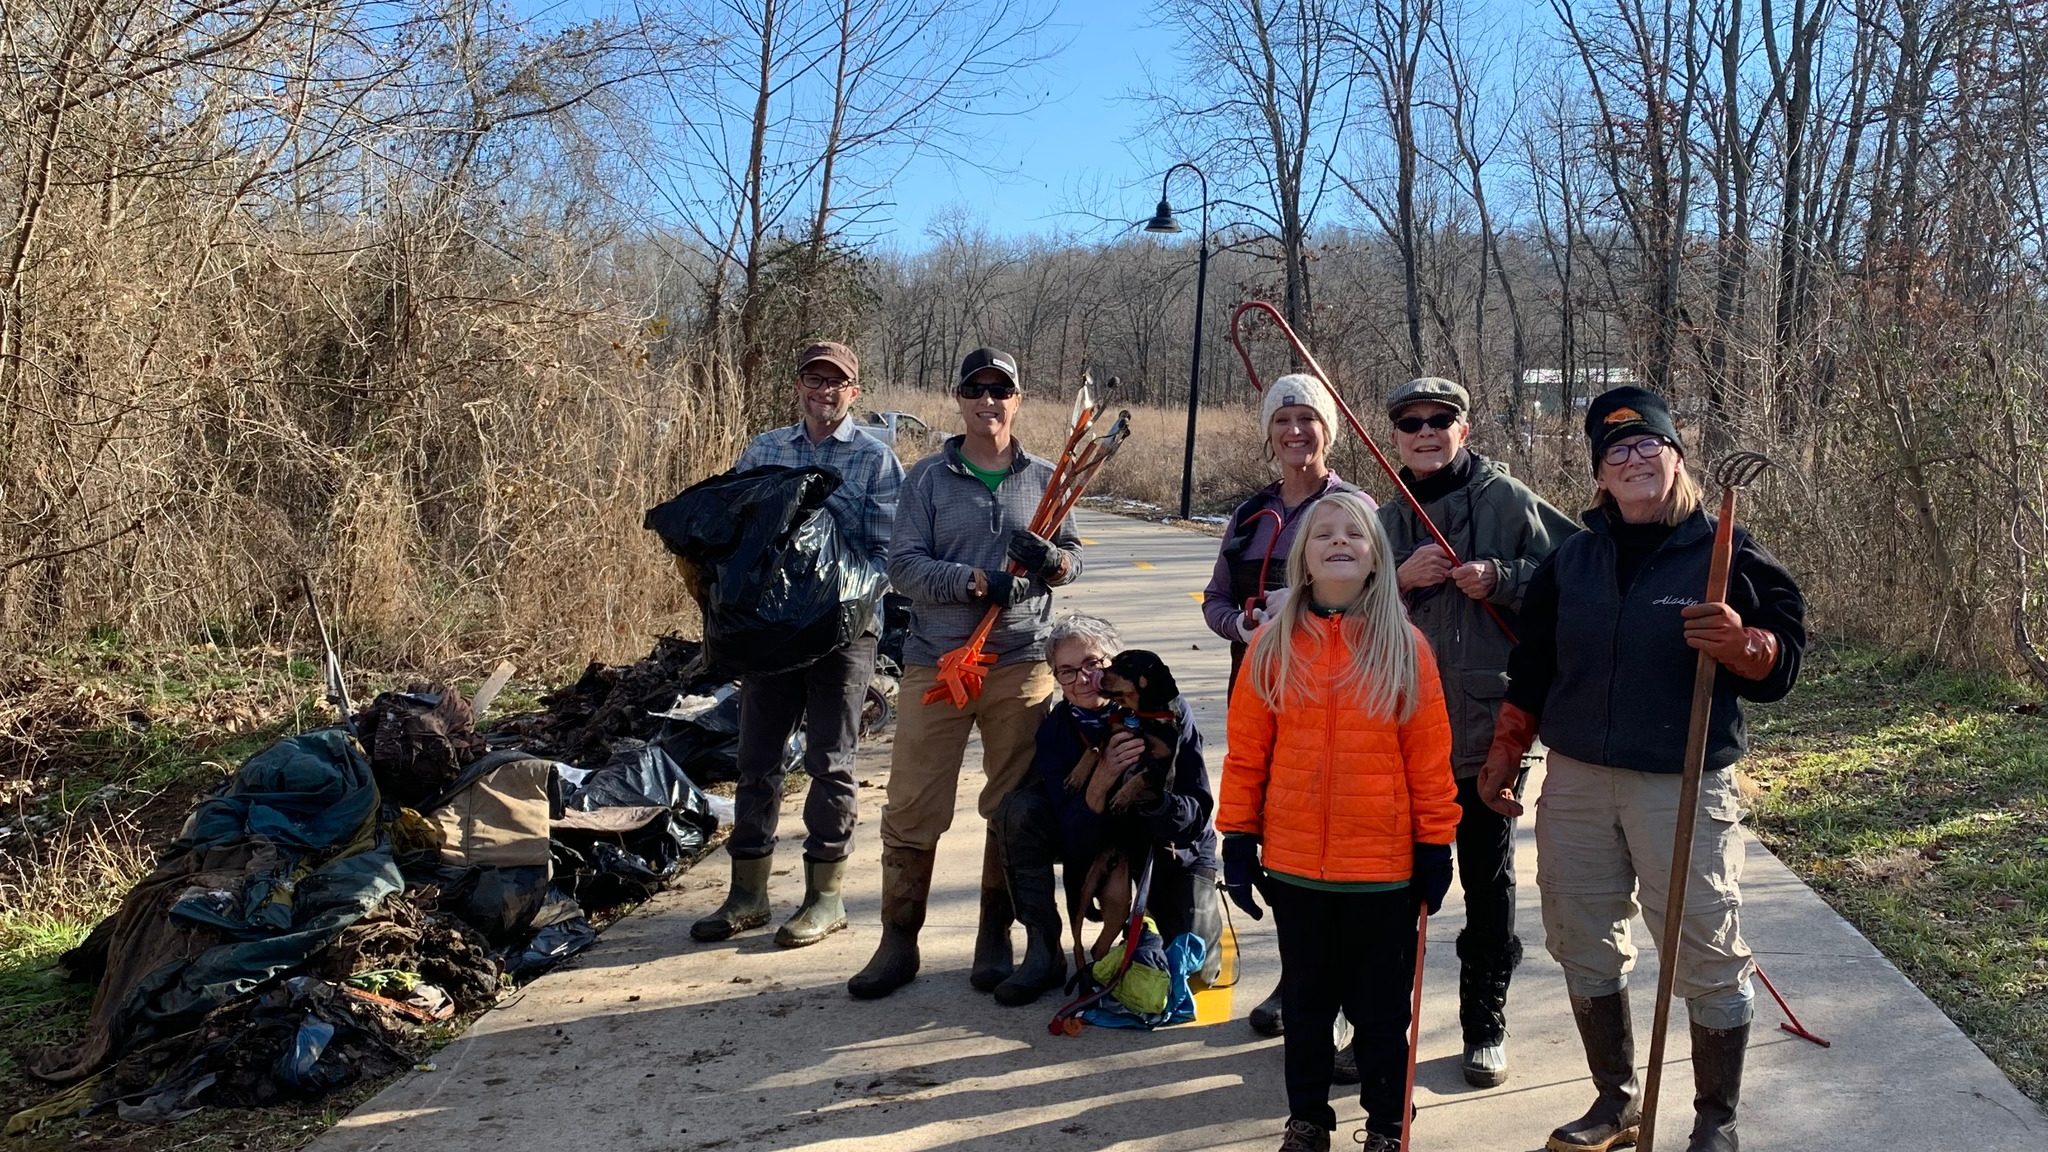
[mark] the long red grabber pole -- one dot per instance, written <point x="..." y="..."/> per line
<point x="1308" y="359"/>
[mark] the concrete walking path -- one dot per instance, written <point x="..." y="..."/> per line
<point x="652" y="1043"/>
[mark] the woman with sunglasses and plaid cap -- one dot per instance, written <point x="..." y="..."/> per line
<point x="963" y="518"/>
<point x="1612" y="626"/>
<point x="1502" y="531"/>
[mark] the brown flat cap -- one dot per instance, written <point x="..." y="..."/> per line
<point x="831" y="352"/>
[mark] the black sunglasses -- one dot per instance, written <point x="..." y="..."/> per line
<point x="1414" y="424"/>
<point x="975" y="390"/>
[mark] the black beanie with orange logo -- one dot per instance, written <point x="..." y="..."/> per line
<point x="1628" y="411"/>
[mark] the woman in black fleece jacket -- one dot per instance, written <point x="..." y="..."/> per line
<point x="1610" y="630"/>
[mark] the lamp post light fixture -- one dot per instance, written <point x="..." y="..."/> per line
<point x="1163" y="220"/>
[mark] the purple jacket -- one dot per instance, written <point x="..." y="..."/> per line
<point x="1247" y="541"/>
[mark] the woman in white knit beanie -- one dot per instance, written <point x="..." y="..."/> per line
<point x="1299" y="417"/>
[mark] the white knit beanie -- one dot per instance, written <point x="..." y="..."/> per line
<point x="1298" y="388"/>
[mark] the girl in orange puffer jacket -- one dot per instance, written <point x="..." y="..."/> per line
<point x="1339" y="776"/>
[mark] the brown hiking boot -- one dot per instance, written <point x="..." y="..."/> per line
<point x="906" y="886"/>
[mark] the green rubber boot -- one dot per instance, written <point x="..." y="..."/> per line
<point x="746" y="902"/>
<point x="823" y="912"/>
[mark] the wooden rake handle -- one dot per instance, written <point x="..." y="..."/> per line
<point x="1705" y="670"/>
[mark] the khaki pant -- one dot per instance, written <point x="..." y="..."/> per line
<point x="1603" y="842"/>
<point x="931" y="739"/>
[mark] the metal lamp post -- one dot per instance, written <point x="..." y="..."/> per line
<point x="1163" y="221"/>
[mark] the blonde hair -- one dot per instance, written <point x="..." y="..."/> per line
<point x="1687" y="497"/>
<point x="1384" y="661"/>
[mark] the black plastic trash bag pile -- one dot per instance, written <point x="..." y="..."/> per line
<point x="778" y="585"/>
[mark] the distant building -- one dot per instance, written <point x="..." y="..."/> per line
<point x="1543" y="389"/>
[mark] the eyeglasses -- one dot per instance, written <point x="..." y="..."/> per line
<point x="1069" y="675"/>
<point x="1648" y="449"/>
<point x="975" y="390"/>
<point x="1413" y="424"/>
<point x="813" y="382"/>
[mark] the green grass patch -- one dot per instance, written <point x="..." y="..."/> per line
<point x="1915" y="801"/>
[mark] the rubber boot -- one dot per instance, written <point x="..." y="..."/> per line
<point x="1616" y="1114"/>
<point x="1485" y="967"/>
<point x="746" y="902"/>
<point x="1045" y="962"/>
<point x="992" y="955"/>
<point x="1266" y="1019"/>
<point x="906" y="887"/>
<point x="822" y="912"/>
<point x="1717" y="1055"/>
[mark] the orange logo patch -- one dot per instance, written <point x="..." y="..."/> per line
<point x="1622" y="416"/>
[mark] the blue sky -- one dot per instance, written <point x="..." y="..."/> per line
<point x="1067" y="157"/>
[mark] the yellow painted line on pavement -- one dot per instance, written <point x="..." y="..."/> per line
<point x="1195" y="596"/>
<point x="1087" y="543"/>
<point x="1145" y="564"/>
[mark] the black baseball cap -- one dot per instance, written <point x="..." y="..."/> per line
<point x="982" y="358"/>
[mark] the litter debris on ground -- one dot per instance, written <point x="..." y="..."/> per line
<point x="335" y="899"/>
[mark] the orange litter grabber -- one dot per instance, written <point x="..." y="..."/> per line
<point x="1414" y="1026"/>
<point x="963" y="671"/>
<point x="1393" y="474"/>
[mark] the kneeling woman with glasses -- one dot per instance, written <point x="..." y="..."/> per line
<point x="1044" y="822"/>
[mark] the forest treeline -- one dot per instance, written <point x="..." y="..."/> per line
<point x="431" y="301"/>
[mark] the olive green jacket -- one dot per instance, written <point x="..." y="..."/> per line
<point x="1492" y="517"/>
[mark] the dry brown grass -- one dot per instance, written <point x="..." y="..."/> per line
<point x="1229" y="460"/>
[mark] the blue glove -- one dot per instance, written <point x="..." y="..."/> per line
<point x="1242" y="874"/>
<point x="1432" y="875"/>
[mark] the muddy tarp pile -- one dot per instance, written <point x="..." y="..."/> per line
<point x="341" y="891"/>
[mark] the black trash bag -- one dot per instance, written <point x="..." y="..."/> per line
<point x="641" y="777"/>
<point x="895" y="633"/>
<point x="707" y="746"/>
<point x="603" y="864"/>
<point x="778" y="586"/>
<point x="565" y="931"/>
<point x="549" y="947"/>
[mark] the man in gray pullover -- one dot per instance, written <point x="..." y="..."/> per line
<point x="964" y="515"/>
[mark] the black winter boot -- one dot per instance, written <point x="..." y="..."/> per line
<point x="906" y="887"/>
<point x="746" y="901"/>
<point x="1717" y="1055"/>
<point x="1266" y="1019"/>
<point x="992" y="955"/>
<point x="1045" y="963"/>
<point x="1485" y="967"/>
<point x="1613" y="1120"/>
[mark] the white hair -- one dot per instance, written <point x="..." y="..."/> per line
<point x="1097" y="633"/>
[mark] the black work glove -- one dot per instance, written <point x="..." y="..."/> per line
<point x="1432" y="875"/>
<point x="1005" y="589"/>
<point x="1242" y="874"/>
<point x="1035" y="554"/>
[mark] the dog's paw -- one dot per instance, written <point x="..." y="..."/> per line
<point x="1084" y="768"/>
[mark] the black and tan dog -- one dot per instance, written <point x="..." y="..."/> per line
<point x="1141" y="691"/>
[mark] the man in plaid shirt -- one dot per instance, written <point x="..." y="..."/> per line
<point x="826" y="695"/>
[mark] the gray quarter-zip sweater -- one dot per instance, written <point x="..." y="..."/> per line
<point x="947" y="524"/>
